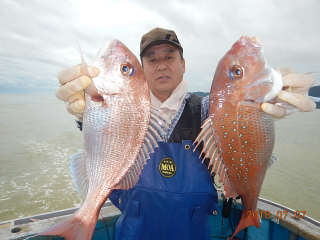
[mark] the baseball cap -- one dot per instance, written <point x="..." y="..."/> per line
<point x="158" y="36"/>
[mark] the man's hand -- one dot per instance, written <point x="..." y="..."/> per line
<point x="71" y="90"/>
<point x="295" y="91"/>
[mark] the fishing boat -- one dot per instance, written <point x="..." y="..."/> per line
<point x="277" y="223"/>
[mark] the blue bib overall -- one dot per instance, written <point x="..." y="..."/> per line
<point x="172" y="199"/>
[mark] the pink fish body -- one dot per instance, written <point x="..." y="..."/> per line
<point x="238" y="136"/>
<point x="120" y="129"/>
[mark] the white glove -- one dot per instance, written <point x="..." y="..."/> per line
<point x="295" y="91"/>
<point x="71" y="90"/>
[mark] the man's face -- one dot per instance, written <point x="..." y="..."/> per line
<point x="163" y="68"/>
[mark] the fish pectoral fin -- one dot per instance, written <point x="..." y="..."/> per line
<point x="79" y="175"/>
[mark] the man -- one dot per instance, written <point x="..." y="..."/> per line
<point x="174" y="195"/>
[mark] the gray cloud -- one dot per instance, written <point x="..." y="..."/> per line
<point x="38" y="38"/>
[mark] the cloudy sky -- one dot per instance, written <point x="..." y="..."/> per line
<point x="38" y="37"/>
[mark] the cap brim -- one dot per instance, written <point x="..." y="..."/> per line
<point x="158" y="42"/>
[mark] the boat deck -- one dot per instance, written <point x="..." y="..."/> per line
<point x="274" y="224"/>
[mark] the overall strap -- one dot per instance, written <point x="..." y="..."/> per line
<point x="189" y="125"/>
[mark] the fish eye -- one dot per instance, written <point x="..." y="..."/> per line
<point x="237" y="71"/>
<point x="126" y="68"/>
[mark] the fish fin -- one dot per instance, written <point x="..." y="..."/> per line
<point x="206" y="136"/>
<point x="159" y="121"/>
<point x="246" y="222"/>
<point x="210" y="150"/>
<point x="206" y="129"/>
<point x="272" y="160"/>
<point x="132" y="176"/>
<point x="229" y="189"/>
<point x="155" y="133"/>
<point x="74" y="227"/>
<point x="215" y="161"/>
<point x="91" y="90"/>
<point x="79" y="175"/>
<point x="159" y="113"/>
<point x="221" y="172"/>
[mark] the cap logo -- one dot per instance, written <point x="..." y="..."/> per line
<point x="173" y="39"/>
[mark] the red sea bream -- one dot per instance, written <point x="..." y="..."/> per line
<point x="120" y="129"/>
<point x="238" y="136"/>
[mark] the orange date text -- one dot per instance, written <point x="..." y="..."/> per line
<point x="280" y="214"/>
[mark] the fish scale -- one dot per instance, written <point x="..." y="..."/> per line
<point x="121" y="146"/>
<point x="248" y="145"/>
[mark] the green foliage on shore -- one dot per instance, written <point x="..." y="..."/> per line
<point x="201" y="94"/>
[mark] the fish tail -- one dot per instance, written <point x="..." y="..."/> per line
<point x="75" y="227"/>
<point x="246" y="221"/>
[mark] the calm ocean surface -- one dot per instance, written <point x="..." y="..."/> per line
<point x="37" y="136"/>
